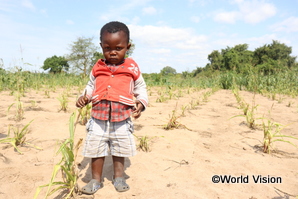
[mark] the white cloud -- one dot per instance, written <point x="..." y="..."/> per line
<point x="253" y="42"/>
<point x="167" y="37"/>
<point x="266" y="39"/>
<point x="256" y="11"/>
<point x="160" y="51"/>
<point x="194" y="42"/>
<point x="223" y="43"/>
<point x="288" y="25"/>
<point x="251" y="12"/>
<point x="162" y="44"/>
<point x="256" y="42"/>
<point x="149" y="10"/>
<point x="227" y="17"/>
<point x="28" y="4"/>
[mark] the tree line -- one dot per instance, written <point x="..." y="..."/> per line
<point x="267" y="59"/>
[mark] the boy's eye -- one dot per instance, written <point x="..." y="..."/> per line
<point x="109" y="48"/>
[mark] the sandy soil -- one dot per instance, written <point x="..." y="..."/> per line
<point x="181" y="163"/>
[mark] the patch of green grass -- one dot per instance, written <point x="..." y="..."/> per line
<point x="19" y="137"/>
<point x="272" y="133"/>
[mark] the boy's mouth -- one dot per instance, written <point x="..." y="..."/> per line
<point x="113" y="60"/>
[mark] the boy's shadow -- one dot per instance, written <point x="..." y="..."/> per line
<point x="108" y="169"/>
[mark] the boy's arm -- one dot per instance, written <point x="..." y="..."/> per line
<point x="85" y="98"/>
<point x="90" y="86"/>
<point x="140" y="92"/>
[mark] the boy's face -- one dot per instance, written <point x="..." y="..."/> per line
<point x="114" y="46"/>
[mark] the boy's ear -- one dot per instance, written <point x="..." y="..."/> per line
<point x="128" y="46"/>
<point x="100" y="44"/>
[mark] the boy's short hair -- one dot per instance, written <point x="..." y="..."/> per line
<point x="113" y="27"/>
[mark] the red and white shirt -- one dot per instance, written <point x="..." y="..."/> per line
<point x="111" y="89"/>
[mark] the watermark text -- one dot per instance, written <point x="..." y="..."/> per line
<point x="245" y="179"/>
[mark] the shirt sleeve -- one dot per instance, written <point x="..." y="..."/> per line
<point x="89" y="87"/>
<point x="140" y="91"/>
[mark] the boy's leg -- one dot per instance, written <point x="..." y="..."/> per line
<point x="96" y="148"/>
<point x="118" y="179"/>
<point x="96" y="182"/>
<point x="97" y="167"/>
<point x="118" y="166"/>
<point x="122" y="145"/>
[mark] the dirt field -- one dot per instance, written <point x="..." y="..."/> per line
<point x="181" y="163"/>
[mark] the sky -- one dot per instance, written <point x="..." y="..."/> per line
<point x="176" y="33"/>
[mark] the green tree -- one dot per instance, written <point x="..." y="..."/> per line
<point x="198" y="70"/>
<point x="81" y="55"/>
<point x="270" y="58"/>
<point x="237" y="58"/>
<point x="215" y="59"/>
<point x="55" y="64"/>
<point x="230" y="59"/>
<point x="168" y="70"/>
<point x="273" y="57"/>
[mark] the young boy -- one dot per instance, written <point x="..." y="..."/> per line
<point x="114" y="81"/>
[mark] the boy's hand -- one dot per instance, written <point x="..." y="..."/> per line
<point x="137" y="112"/>
<point x="82" y="101"/>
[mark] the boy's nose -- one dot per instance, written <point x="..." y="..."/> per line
<point x="113" y="52"/>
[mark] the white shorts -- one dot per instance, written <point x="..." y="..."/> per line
<point x="109" y="138"/>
